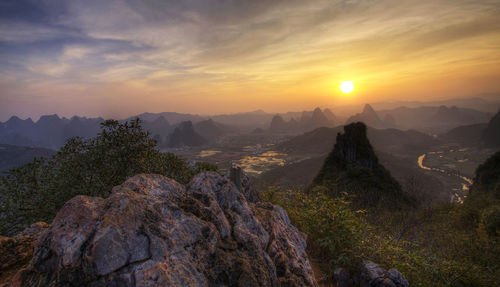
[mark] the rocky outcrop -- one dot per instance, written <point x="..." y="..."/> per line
<point x="341" y="276"/>
<point x="353" y="167"/>
<point x="353" y="146"/>
<point x="185" y="135"/>
<point x="372" y="275"/>
<point x="153" y="231"/>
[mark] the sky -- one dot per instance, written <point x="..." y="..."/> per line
<point x="120" y="58"/>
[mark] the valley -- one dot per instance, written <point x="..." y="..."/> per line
<point x="254" y="153"/>
<point x="442" y="172"/>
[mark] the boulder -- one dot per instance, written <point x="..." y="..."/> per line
<point x="372" y="275"/>
<point x="341" y="277"/>
<point x="153" y="231"/>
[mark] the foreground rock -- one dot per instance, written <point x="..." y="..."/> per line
<point x="152" y="231"/>
<point x="16" y="252"/>
<point x="372" y="275"/>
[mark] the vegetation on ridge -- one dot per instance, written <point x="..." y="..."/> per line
<point x="36" y="191"/>
<point x="352" y="167"/>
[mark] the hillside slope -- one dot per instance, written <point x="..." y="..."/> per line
<point x="353" y="167"/>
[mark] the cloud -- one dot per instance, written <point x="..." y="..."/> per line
<point x="187" y="46"/>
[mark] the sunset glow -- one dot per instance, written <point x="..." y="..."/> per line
<point x="347" y="87"/>
<point x="119" y="58"/>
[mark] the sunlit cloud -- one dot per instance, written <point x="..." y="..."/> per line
<point x="244" y="52"/>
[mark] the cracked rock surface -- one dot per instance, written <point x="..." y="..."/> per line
<point x="153" y="231"/>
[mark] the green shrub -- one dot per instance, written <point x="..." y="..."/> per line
<point x="334" y="232"/>
<point x="431" y="247"/>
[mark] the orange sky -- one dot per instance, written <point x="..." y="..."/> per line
<point x="118" y="58"/>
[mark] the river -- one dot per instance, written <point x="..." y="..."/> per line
<point x="465" y="185"/>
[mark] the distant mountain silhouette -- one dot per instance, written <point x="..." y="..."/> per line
<point x="247" y="121"/>
<point x="82" y="127"/>
<point x="486" y="102"/>
<point x="173" y="118"/>
<point x="368" y="116"/>
<point x="321" y="140"/>
<point x="51" y="131"/>
<point x="389" y="121"/>
<point x="318" y="119"/>
<point x="158" y="127"/>
<point x="353" y="167"/>
<point x="278" y="124"/>
<point x="309" y="120"/>
<point x="330" y="115"/>
<point x="13" y="156"/>
<point x="469" y="135"/>
<point x="21" y="127"/>
<point x="50" y="128"/>
<point x="211" y="130"/>
<point x="439" y="119"/>
<point x="184" y="135"/>
<point x="491" y="134"/>
<point x="452" y="115"/>
<point x="18" y="132"/>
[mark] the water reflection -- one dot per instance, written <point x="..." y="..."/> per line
<point x="258" y="163"/>
<point x="205" y="153"/>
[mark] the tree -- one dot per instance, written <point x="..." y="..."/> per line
<point x="36" y="191"/>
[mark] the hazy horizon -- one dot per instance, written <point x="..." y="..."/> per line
<point x="342" y="110"/>
<point x="122" y="58"/>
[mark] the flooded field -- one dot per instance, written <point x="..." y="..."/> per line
<point x="206" y="153"/>
<point x="259" y="163"/>
<point x="254" y="154"/>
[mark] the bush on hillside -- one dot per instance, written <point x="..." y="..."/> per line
<point x="36" y="191"/>
<point x="435" y="248"/>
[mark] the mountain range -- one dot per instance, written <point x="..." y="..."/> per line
<point x="308" y="121"/>
<point x="484" y="134"/>
<point x="13" y="156"/>
<point x="435" y="119"/>
<point x="51" y="131"/>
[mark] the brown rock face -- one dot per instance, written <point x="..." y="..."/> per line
<point x="152" y="231"/>
<point x="16" y="252"/>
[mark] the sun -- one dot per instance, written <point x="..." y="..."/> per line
<point x="346" y="87"/>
